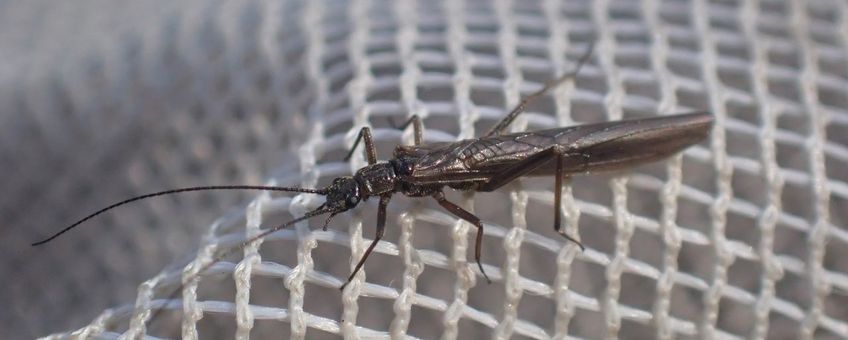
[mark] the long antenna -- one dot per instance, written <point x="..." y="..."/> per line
<point x="175" y="191"/>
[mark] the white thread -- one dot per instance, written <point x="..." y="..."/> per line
<point x="413" y="268"/>
<point x="465" y="278"/>
<point x="312" y="26"/>
<point x="562" y="98"/>
<point x="359" y="87"/>
<point x="507" y="43"/>
<point x="624" y="227"/>
<point x="718" y="211"/>
<point x="768" y="219"/>
<point x="816" y="240"/>
<point x="671" y="188"/>
<point x="407" y="35"/>
<point x="244" y="269"/>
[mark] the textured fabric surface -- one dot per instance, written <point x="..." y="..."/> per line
<point x="744" y="235"/>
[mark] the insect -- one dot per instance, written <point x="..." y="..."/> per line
<point x="482" y="164"/>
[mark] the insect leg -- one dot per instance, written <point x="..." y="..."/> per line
<point x="465" y="215"/>
<point x="527" y="166"/>
<point x="504" y="123"/>
<point x="381" y="226"/>
<point x="417" y="128"/>
<point x="370" y="150"/>
<point x="558" y="201"/>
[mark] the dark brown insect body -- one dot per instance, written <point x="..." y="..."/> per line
<point x="485" y="164"/>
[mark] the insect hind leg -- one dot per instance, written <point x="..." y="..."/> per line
<point x="560" y="159"/>
<point x="529" y="165"/>
<point x="518" y="109"/>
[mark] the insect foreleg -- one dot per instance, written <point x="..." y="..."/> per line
<point x="466" y="215"/>
<point x="417" y="128"/>
<point x="381" y="227"/>
<point x="370" y="150"/>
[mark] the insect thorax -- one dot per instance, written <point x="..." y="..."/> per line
<point x="376" y="179"/>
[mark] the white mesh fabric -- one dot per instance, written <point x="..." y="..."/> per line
<point x="742" y="236"/>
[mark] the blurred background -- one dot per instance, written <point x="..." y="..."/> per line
<point x="742" y="236"/>
<point x="102" y="101"/>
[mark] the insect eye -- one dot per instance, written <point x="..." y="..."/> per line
<point x="351" y="200"/>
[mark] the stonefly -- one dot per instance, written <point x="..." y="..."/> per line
<point x="482" y="164"/>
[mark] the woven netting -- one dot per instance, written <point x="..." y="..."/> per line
<point x="742" y="236"/>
